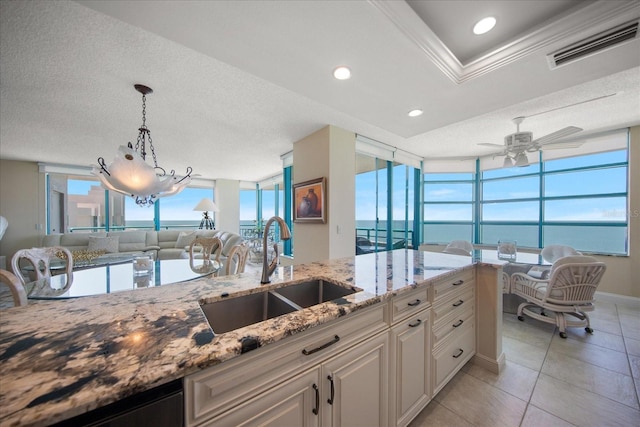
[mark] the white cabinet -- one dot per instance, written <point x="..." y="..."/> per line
<point x="355" y="384"/>
<point x="454" y="326"/>
<point x="411" y="360"/>
<point x="288" y="375"/>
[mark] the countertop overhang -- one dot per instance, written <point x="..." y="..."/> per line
<point x="59" y="359"/>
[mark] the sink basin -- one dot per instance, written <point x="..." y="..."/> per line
<point x="314" y="292"/>
<point x="228" y="314"/>
<point x="233" y="313"/>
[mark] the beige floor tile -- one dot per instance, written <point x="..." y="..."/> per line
<point x="530" y="330"/>
<point x="634" y="362"/>
<point x="593" y="378"/>
<point x="633" y="346"/>
<point x="515" y="379"/>
<point x="436" y="415"/>
<point x="608" y="313"/>
<point x="593" y="354"/>
<point x="630" y="326"/>
<point x="523" y="353"/>
<point x="536" y="417"/>
<point x="481" y="404"/>
<point x="599" y="338"/>
<point x="599" y="324"/>
<point x="579" y="406"/>
<point x="632" y="310"/>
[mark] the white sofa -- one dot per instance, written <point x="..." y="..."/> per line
<point x="164" y="244"/>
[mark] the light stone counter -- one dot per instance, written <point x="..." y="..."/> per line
<point x="62" y="358"/>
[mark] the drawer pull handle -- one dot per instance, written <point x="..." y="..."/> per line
<point x="414" y="303"/>
<point x="458" y="304"/>
<point x="322" y="347"/>
<point x="459" y="282"/>
<point x="455" y="356"/>
<point x="316" y="409"/>
<point x="458" y="323"/>
<point x="416" y="323"/>
<point x="330" y="400"/>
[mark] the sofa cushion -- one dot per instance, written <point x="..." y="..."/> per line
<point x="131" y="241"/>
<point x="185" y="239"/>
<point x="77" y="241"/>
<point x="107" y="244"/>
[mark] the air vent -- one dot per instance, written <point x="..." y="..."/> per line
<point x="592" y="45"/>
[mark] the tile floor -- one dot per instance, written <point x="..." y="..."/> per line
<point x="584" y="380"/>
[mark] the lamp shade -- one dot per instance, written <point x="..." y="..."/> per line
<point x="522" y="160"/>
<point x="206" y="205"/>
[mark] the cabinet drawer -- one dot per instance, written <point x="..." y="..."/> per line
<point x="442" y="287"/>
<point x="214" y="390"/>
<point x="457" y="303"/>
<point x="456" y="350"/>
<point x="452" y="322"/>
<point x="409" y="303"/>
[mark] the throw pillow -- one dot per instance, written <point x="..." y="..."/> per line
<point x="108" y="244"/>
<point x="185" y="239"/>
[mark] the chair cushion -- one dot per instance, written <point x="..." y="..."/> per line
<point x="107" y="244"/>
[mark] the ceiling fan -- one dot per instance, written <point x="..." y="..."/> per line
<point x="516" y="145"/>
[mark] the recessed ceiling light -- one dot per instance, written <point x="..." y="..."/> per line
<point x="342" y="73"/>
<point x="415" y="113"/>
<point x="484" y="25"/>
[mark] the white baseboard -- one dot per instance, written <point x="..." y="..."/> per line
<point x="627" y="301"/>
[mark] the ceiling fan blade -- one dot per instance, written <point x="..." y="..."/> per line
<point x="570" y="130"/>
<point x="562" y="145"/>
<point x="488" y="144"/>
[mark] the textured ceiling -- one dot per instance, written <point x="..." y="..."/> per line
<point x="237" y="83"/>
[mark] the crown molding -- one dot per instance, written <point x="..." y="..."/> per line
<point x="575" y="24"/>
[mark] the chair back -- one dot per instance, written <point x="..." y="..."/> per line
<point x="552" y="253"/>
<point x="237" y="259"/>
<point x="40" y="260"/>
<point x="574" y="280"/>
<point x="15" y="286"/>
<point x="459" y="247"/>
<point x="205" y="249"/>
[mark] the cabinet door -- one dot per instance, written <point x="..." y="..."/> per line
<point x="355" y="385"/>
<point x="292" y="403"/>
<point x="411" y="384"/>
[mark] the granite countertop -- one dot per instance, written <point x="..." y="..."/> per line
<point x="62" y="358"/>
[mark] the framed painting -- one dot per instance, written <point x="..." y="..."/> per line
<point x="310" y="203"/>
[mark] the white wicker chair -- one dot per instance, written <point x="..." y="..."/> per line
<point x="237" y="259"/>
<point x="569" y="291"/>
<point x="459" y="247"/>
<point x="204" y="254"/>
<point x="552" y="253"/>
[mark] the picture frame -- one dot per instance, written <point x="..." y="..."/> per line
<point x="310" y="201"/>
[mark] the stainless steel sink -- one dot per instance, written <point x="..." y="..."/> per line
<point x="236" y="312"/>
<point x="314" y="292"/>
<point x="233" y="313"/>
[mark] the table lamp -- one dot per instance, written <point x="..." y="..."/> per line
<point x="205" y="205"/>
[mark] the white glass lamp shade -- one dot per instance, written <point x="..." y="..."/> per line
<point x="129" y="174"/>
<point x="507" y="162"/>
<point x="206" y="205"/>
<point x="522" y="159"/>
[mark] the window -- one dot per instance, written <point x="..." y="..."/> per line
<point x="77" y="203"/>
<point x="579" y="201"/>
<point x="448" y="207"/>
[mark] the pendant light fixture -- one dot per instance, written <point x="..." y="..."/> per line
<point x="129" y="172"/>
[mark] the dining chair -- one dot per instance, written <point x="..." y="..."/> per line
<point x="237" y="259"/>
<point x="552" y="253"/>
<point x="40" y="261"/>
<point x="204" y="250"/>
<point x="459" y="247"/>
<point x="569" y="291"/>
<point x="15" y="286"/>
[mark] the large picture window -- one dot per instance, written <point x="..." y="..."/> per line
<point x="579" y="200"/>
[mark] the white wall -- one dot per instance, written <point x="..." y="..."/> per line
<point x="329" y="153"/>
<point x="227" y="198"/>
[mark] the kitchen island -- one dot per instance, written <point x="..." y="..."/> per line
<point x="59" y="359"/>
